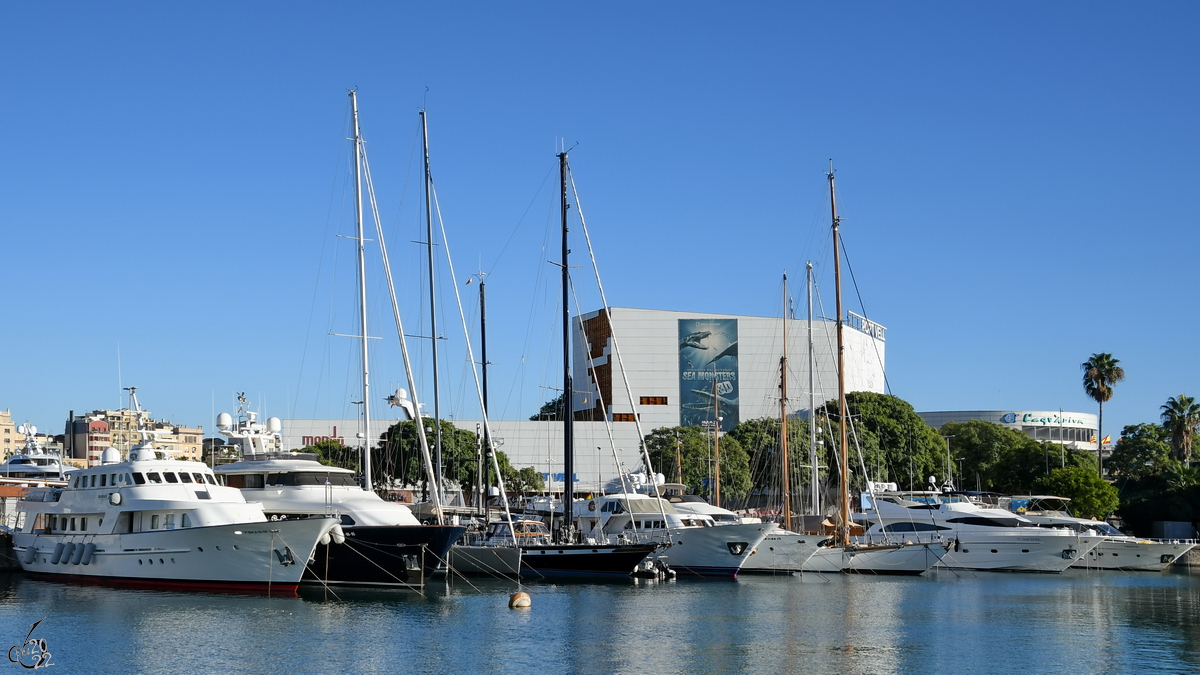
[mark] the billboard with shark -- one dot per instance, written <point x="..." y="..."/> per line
<point x="708" y="353"/>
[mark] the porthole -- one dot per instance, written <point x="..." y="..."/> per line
<point x="151" y="560"/>
<point x="160" y="562"/>
<point x="200" y="548"/>
<point x="235" y="547"/>
<point x="139" y="561"/>
<point x="218" y="548"/>
<point x="966" y="551"/>
<point x="172" y="561"/>
<point x="1024" y="550"/>
<point x="772" y="548"/>
<point x="995" y="551"/>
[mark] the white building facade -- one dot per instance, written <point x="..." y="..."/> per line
<point x="1073" y="429"/>
<point x="671" y="361"/>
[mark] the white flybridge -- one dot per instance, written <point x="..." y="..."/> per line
<point x="32" y="462"/>
<point x="152" y="522"/>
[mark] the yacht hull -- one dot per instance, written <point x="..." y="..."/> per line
<point x="1133" y="555"/>
<point x="1017" y="552"/>
<point x="908" y="559"/>
<point x="583" y="560"/>
<point x="263" y="557"/>
<point x="781" y="552"/>
<point x="402" y="555"/>
<point x="714" y="551"/>
<point x="490" y="560"/>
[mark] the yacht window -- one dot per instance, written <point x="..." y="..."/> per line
<point x="154" y="522"/>
<point x="103" y="480"/>
<point x="53" y="523"/>
<point x="139" y="479"/>
<point x="76" y="482"/>
<point x="169" y="521"/>
<point x="171" y="477"/>
<point x="347" y="520"/>
<point x="186" y="478"/>
<point x="628" y="525"/>
<point x="72" y="524"/>
<point x="83" y="524"/>
<point x="210" y="479"/>
<point x="986" y="522"/>
<point x="184" y="521"/>
<point x="112" y="479"/>
<point x="154" y="477"/>
<point x="198" y="477"/>
<point x="913" y="527"/>
<point x="93" y="480"/>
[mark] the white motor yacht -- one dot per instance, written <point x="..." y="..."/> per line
<point x="150" y="522"/>
<point x="385" y="544"/>
<point x="981" y="537"/>
<point x="1116" y="550"/>
<point x="781" y="551"/>
<point x="693" y="544"/>
<point x="33" y="461"/>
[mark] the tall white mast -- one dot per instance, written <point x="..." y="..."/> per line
<point x="812" y="402"/>
<point x="362" y="297"/>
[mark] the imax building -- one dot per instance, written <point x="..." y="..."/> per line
<point x="682" y="369"/>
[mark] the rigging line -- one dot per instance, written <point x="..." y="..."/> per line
<point x="521" y="220"/>
<point x="470" y="351"/>
<point x="886" y="384"/>
<point x="320" y="264"/>
<point x="387" y="269"/>
<point x="616" y="350"/>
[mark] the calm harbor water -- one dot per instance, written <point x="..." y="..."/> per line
<point x="978" y="623"/>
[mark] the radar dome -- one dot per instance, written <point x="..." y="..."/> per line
<point x="274" y="425"/>
<point x="224" y="421"/>
<point x="110" y="456"/>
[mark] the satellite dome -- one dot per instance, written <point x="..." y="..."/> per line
<point x="274" y="425"/>
<point x="224" y="421"/>
<point x="110" y="456"/>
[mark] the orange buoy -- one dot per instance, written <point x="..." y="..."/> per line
<point x="519" y="600"/>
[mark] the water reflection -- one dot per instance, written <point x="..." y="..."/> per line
<point x="1091" y="622"/>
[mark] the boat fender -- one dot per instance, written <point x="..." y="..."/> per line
<point x="30" y="554"/>
<point x="519" y="600"/>
<point x="324" y="540"/>
<point x="114" y="498"/>
<point x="592" y="505"/>
<point x="338" y="536"/>
<point x="77" y="554"/>
<point x="68" y="549"/>
<point x="88" y="552"/>
<point x="58" y="551"/>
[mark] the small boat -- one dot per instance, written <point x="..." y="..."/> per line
<point x="33" y="462"/>
<point x="155" y="522"/>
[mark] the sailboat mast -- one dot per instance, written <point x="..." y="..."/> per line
<point x="433" y="334"/>
<point x="487" y="440"/>
<point x="785" y="484"/>
<point x="716" y="439"/>
<point x="568" y="412"/>
<point x="362" y="297"/>
<point x="841" y="357"/>
<point x="812" y="402"/>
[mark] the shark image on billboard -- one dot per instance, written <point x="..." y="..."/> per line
<point x="707" y="354"/>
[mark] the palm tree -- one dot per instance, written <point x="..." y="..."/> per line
<point x="1181" y="415"/>
<point x="1100" y="373"/>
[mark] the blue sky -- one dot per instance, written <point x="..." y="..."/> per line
<point x="1017" y="182"/>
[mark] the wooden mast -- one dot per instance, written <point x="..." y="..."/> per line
<point x="785" y="484"/>
<point x="841" y="356"/>
<point x="716" y="439"/>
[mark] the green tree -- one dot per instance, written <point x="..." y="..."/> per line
<point x="999" y="458"/>
<point x="896" y="444"/>
<point x="331" y="452"/>
<point x="1091" y="496"/>
<point x="551" y="411"/>
<point x="1141" y="451"/>
<point x="1180" y="416"/>
<point x="1100" y="373"/>
<point x="760" y="439"/>
<point x="695" y="446"/>
<point x="1170" y="495"/>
